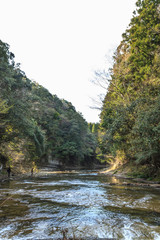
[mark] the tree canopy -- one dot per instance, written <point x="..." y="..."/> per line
<point x="36" y="125"/>
<point x="130" y="122"/>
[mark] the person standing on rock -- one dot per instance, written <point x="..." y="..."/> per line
<point x="32" y="172"/>
<point x="9" y="171"/>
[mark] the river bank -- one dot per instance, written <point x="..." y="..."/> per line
<point x="129" y="172"/>
<point x="118" y="173"/>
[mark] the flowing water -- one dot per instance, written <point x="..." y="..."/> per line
<point x="82" y="202"/>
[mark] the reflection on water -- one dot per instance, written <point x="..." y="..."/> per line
<point x="83" y="202"/>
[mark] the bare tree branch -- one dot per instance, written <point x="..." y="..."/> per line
<point x="97" y="103"/>
<point x="102" y="79"/>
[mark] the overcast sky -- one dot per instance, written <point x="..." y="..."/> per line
<point x="60" y="43"/>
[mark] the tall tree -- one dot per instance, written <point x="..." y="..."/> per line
<point x="133" y="89"/>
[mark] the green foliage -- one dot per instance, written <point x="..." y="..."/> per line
<point x="130" y="115"/>
<point x="146" y="133"/>
<point x="36" y="125"/>
<point x="4" y="126"/>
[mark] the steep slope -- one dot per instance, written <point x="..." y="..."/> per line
<point x="130" y="118"/>
<point x="36" y="125"/>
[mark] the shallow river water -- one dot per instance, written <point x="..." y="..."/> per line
<point x="82" y="202"/>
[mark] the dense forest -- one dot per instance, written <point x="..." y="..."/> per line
<point x="35" y="125"/>
<point x="130" y="116"/>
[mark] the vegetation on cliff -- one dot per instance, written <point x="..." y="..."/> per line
<point x="35" y="125"/>
<point x="130" y="117"/>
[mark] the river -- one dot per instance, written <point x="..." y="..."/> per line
<point x="82" y="202"/>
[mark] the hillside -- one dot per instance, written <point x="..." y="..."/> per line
<point x="37" y="126"/>
<point x="130" y="117"/>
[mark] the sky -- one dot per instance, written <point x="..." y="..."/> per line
<point x="61" y="43"/>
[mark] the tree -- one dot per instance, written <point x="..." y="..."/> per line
<point x="36" y="125"/>
<point x="127" y="124"/>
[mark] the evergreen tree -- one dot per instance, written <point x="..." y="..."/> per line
<point x="127" y="124"/>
